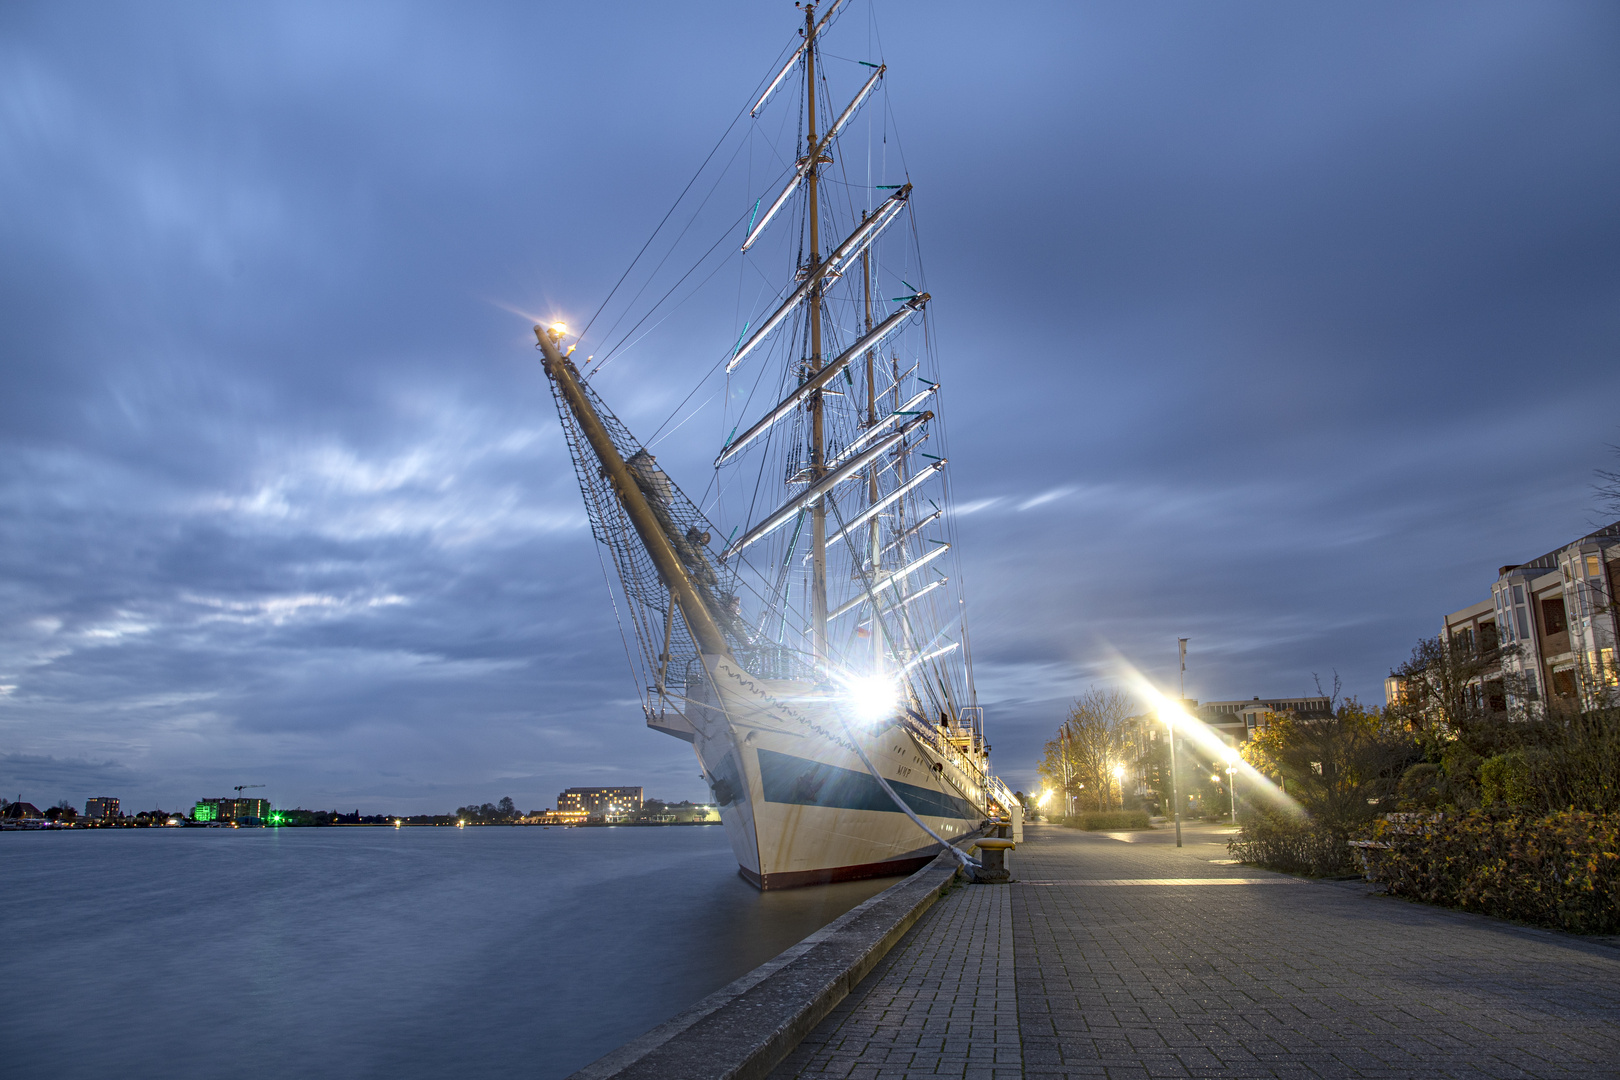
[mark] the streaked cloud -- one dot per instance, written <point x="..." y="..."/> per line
<point x="1277" y="328"/>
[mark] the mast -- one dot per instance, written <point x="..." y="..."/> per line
<point x="699" y="619"/>
<point x="871" y="480"/>
<point x="818" y="513"/>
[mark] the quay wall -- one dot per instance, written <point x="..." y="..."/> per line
<point x="743" y="1030"/>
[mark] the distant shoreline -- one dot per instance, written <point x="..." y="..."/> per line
<point x="120" y="826"/>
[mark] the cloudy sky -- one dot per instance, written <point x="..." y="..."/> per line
<point x="1277" y="326"/>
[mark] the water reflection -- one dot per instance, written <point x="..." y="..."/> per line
<point x="372" y="952"/>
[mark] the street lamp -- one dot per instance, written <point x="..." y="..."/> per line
<point x="1175" y="790"/>
<point x="1231" y="784"/>
<point x="1119" y="782"/>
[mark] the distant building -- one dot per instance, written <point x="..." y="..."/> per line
<point x="20" y="810"/>
<point x="1560" y="610"/>
<point x="1238" y="719"/>
<point x="240" y="811"/>
<point x="559" y="817"/>
<point x="658" y="812"/>
<point x="1148" y="763"/>
<point x="102" y="809"/>
<point x="603" y="802"/>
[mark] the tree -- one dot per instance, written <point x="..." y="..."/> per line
<point x="1442" y="688"/>
<point x="1088" y="746"/>
<point x="507" y="808"/>
<point x="1333" y="766"/>
<point x="1607" y="488"/>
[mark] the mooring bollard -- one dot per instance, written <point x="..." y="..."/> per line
<point x="993" y="869"/>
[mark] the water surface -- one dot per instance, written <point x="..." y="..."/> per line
<point x="370" y="952"/>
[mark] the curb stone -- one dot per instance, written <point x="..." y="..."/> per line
<point x="743" y="1030"/>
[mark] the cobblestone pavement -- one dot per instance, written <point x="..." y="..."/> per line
<point x="940" y="1004"/>
<point x="1119" y="973"/>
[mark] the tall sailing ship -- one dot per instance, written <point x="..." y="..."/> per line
<point x="810" y="643"/>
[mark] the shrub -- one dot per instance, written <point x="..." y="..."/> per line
<point x="1110" y="820"/>
<point x="1420" y="785"/>
<point x="1505" y="778"/>
<point x="1561" y="870"/>
<point x="1293" y="845"/>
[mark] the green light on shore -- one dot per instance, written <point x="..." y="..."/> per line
<point x="205" y="812"/>
<point x="275" y="817"/>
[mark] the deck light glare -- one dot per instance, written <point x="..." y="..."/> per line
<point x="871" y="697"/>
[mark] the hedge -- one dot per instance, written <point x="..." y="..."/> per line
<point x="1292" y="845"/>
<point x="1561" y="870"/>
<point x="1110" y="820"/>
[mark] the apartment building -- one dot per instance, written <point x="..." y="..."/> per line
<point x="1237" y="720"/>
<point x="606" y="802"/>
<point x="1559" y="613"/>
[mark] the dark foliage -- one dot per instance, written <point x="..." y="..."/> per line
<point x="1560" y="870"/>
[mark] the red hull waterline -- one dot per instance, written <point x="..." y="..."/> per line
<point x="797" y="879"/>
<point x="906" y="864"/>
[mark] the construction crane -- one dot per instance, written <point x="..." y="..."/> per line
<point x="243" y="787"/>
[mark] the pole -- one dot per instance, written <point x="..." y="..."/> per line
<point x="1175" y="790"/>
<point x="699" y="620"/>
<point x="1231" y="789"/>
<point x="874" y="535"/>
<point x="1182" y="642"/>
<point x="818" y="468"/>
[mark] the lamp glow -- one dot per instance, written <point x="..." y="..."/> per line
<point x="871" y="697"/>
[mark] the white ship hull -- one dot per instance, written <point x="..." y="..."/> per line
<point x="799" y="805"/>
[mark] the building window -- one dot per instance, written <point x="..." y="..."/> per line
<point x="1563" y="683"/>
<point x="1594" y="566"/>
<point x="1521" y="615"/>
<point x="1554" y="619"/>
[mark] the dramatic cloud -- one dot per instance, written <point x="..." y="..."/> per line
<point x="1277" y="327"/>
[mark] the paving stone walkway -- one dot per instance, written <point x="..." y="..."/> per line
<point x="1124" y="957"/>
<point x="940" y="1004"/>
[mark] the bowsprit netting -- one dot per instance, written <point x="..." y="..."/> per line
<point x="666" y="656"/>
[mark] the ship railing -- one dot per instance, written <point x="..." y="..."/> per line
<point x="944" y="748"/>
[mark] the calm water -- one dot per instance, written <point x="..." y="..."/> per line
<point x="361" y="952"/>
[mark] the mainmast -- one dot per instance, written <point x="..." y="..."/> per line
<point x="818" y="464"/>
<point x="874" y="531"/>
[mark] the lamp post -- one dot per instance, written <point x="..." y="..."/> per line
<point x="1175" y="790"/>
<point x="1231" y="785"/>
<point x="1119" y="782"/>
<point x="1068" y="779"/>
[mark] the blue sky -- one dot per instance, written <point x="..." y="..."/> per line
<point x="1275" y="326"/>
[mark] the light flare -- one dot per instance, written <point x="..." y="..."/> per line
<point x="870" y="698"/>
<point x="1205" y="738"/>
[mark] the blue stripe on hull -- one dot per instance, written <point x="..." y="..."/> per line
<point x="802" y="782"/>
